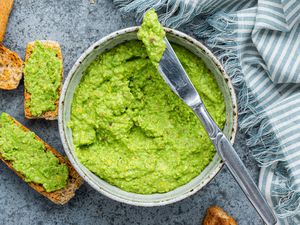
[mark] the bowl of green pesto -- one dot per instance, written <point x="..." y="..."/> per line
<point x="123" y="129"/>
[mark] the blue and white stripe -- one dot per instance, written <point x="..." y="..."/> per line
<point x="259" y="45"/>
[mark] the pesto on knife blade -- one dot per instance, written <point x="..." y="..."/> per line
<point x="152" y="35"/>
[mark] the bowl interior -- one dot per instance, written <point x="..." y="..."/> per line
<point x="116" y="193"/>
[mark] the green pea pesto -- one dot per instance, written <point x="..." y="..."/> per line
<point x="131" y="130"/>
<point x="42" y="78"/>
<point x="151" y="34"/>
<point x="29" y="156"/>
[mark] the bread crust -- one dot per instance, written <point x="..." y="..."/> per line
<point x="217" y="216"/>
<point x="11" y="66"/>
<point x="50" y="115"/>
<point x="61" y="196"/>
<point x="6" y="7"/>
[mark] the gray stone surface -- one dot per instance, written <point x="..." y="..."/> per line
<point x="76" y="24"/>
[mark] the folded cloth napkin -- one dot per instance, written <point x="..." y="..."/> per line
<point x="258" y="43"/>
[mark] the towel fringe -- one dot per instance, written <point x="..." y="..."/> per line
<point x="289" y="195"/>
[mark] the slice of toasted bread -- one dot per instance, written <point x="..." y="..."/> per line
<point x="60" y="196"/>
<point x="11" y="66"/>
<point x="5" y="9"/>
<point x="50" y="115"/>
<point x="217" y="216"/>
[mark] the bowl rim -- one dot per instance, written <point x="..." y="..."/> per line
<point x="65" y="141"/>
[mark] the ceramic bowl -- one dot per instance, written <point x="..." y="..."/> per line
<point x="116" y="193"/>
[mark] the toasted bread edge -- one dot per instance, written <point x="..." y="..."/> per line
<point x="217" y="216"/>
<point x="15" y="63"/>
<point x="6" y="7"/>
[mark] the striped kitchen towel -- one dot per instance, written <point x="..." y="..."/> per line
<point x="258" y="43"/>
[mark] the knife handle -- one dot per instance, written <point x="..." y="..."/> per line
<point x="235" y="165"/>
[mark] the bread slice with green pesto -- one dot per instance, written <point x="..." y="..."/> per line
<point x="36" y="162"/>
<point x="43" y="75"/>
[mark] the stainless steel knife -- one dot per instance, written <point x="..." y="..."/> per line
<point x="175" y="76"/>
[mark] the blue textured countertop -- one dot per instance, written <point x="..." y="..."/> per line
<point x="76" y="24"/>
